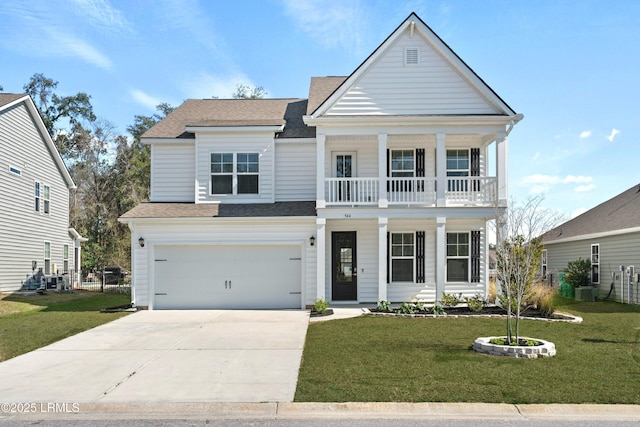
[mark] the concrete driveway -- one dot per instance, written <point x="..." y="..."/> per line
<point x="166" y="356"/>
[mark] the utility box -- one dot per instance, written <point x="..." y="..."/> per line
<point x="586" y="293"/>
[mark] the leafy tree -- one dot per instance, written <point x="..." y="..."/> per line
<point x="518" y="254"/>
<point x="53" y="108"/>
<point x="247" y="92"/>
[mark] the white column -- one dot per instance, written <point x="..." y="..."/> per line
<point x="321" y="245"/>
<point x="441" y="255"/>
<point x="383" y="201"/>
<point x="441" y="170"/>
<point x="382" y="258"/>
<point x="502" y="172"/>
<point x="320" y="144"/>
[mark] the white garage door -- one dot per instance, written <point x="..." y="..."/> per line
<point x="227" y="277"/>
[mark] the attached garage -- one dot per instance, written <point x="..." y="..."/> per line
<point x="227" y="276"/>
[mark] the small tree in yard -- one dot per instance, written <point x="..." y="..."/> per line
<point x="518" y="254"/>
<point x="577" y="273"/>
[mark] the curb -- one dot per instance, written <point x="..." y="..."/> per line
<point x="347" y="410"/>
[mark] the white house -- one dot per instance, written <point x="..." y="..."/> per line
<point x="34" y="199"/>
<point x="378" y="186"/>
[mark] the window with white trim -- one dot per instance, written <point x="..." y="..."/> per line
<point x="47" y="257"/>
<point x="37" y="196"/>
<point x="46" y="198"/>
<point x="402" y="257"/>
<point x="15" y="170"/>
<point x="235" y="173"/>
<point x="595" y="263"/>
<point x="402" y="163"/>
<point x="457" y="257"/>
<point x="65" y="259"/>
<point x="543" y="263"/>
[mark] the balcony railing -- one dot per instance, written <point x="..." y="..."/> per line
<point x="411" y="191"/>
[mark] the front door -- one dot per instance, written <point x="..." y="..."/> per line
<point x="344" y="284"/>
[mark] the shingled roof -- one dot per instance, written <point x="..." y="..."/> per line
<point x="322" y="88"/>
<point x="223" y="113"/>
<point x="215" y="210"/>
<point x="618" y="213"/>
<point x="8" y="98"/>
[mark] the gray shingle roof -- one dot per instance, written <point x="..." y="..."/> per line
<point x="201" y="210"/>
<point x="619" y="213"/>
<point x="223" y="112"/>
<point x="7" y="98"/>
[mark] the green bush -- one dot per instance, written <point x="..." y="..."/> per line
<point x="577" y="273"/>
<point x="320" y="306"/>
<point x="451" y="300"/>
<point x="436" y="309"/>
<point x="475" y="303"/>
<point x="384" y="306"/>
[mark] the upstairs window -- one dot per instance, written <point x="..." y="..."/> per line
<point x="15" y="170"/>
<point x="543" y="263"/>
<point x="402" y="163"/>
<point x="37" y="195"/>
<point x="235" y="173"/>
<point x="46" y="199"/>
<point x="457" y="162"/>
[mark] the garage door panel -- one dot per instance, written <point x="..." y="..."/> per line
<point x="227" y="276"/>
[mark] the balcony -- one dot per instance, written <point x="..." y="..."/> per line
<point x="459" y="191"/>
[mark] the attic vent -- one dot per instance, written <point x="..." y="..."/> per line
<point x="411" y="56"/>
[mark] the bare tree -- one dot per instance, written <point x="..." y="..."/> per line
<point x="518" y="253"/>
<point x="247" y="92"/>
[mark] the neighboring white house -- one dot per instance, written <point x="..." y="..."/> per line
<point x="609" y="236"/>
<point x="34" y="198"/>
<point x="376" y="187"/>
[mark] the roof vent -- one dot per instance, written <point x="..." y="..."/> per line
<point x="411" y="56"/>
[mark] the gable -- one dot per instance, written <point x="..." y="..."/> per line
<point x="434" y="82"/>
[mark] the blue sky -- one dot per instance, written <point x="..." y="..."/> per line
<point x="571" y="67"/>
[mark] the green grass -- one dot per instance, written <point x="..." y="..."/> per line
<point x="31" y="322"/>
<point x="383" y="359"/>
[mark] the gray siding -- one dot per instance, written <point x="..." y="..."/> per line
<point x="616" y="250"/>
<point x="22" y="230"/>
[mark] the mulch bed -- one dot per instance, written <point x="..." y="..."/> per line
<point x="530" y="313"/>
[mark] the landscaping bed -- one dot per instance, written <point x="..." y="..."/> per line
<point x="486" y="311"/>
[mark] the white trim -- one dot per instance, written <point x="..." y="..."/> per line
<point x="295" y="140"/>
<point x="44" y="257"/>
<point x="392" y="257"/>
<point x="467" y="257"/>
<point x="424" y="120"/>
<point x="406" y="62"/>
<point x="214" y="220"/>
<point x="234" y="175"/>
<point x="354" y="162"/>
<point x="242" y="129"/>
<point x="597" y="263"/>
<point x="15" y="171"/>
<point x="150" y="141"/>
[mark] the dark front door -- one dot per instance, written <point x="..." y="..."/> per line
<point x="344" y="284"/>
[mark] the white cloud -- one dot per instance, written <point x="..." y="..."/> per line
<point x="576" y="179"/>
<point x="209" y="85"/>
<point x="613" y="134"/>
<point x="69" y="45"/>
<point x="585" y="134"/>
<point x="577" y="212"/>
<point x="331" y="23"/>
<point x="102" y="15"/>
<point x="585" y="188"/>
<point x="145" y="99"/>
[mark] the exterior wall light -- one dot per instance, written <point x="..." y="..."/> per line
<point x="312" y="240"/>
<point x="141" y="241"/>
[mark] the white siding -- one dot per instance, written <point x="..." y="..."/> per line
<point x="221" y="232"/>
<point x="173" y="172"/>
<point x="365" y="147"/>
<point x="22" y="230"/>
<point x="295" y="171"/>
<point x="230" y="143"/>
<point x="433" y="86"/>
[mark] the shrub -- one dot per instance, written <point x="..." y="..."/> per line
<point x="407" y="308"/>
<point x="320" y="306"/>
<point x="436" y="309"/>
<point x="577" y="273"/>
<point x="475" y="303"/>
<point x="451" y="300"/>
<point x="543" y="298"/>
<point x="384" y="306"/>
<point x="493" y="290"/>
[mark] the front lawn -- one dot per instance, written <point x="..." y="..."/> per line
<point x="373" y="358"/>
<point x="31" y="322"/>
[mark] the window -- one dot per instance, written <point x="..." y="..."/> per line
<point x="47" y="258"/>
<point x="402" y="163"/>
<point x="65" y="258"/>
<point x="457" y="166"/>
<point x="47" y="195"/>
<point x="37" y="193"/>
<point x="457" y="257"/>
<point x="543" y="263"/>
<point x="15" y="170"/>
<point x="234" y="173"/>
<point x="411" y="56"/>
<point x="402" y="257"/>
<point x="595" y="263"/>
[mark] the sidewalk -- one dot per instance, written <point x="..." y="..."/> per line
<point x="350" y="410"/>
